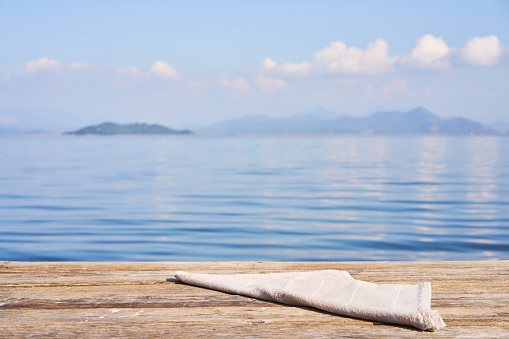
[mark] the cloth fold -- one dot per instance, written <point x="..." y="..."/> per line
<point x="332" y="291"/>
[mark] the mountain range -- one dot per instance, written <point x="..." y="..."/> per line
<point x="319" y="120"/>
<point x="316" y="121"/>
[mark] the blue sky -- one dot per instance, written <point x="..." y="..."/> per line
<point x="64" y="64"/>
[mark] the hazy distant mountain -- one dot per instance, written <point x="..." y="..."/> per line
<point x="499" y="126"/>
<point x="109" y="128"/>
<point x="418" y="120"/>
<point x="317" y="113"/>
<point x="305" y="122"/>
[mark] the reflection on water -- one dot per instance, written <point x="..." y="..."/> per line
<point x="254" y="198"/>
<point x="482" y="166"/>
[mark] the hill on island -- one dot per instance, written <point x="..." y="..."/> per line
<point x="418" y="120"/>
<point x="110" y="128"/>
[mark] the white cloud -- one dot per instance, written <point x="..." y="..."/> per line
<point x="295" y="69"/>
<point x="42" y="64"/>
<point x="159" y="69"/>
<point x="163" y="70"/>
<point x="130" y="71"/>
<point x="45" y="64"/>
<point x="429" y="52"/>
<point x="268" y="63"/>
<point x="269" y="84"/>
<point x="483" y="51"/>
<point x="337" y="58"/>
<point x="238" y="84"/>
<point x="80" y="65"/>
<point x="287" y="69"/>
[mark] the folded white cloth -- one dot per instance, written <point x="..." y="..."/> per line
<point x="332" y="291"/>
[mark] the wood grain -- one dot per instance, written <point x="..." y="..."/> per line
<point x="142" y="300"/>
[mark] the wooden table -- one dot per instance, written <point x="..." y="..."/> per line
<point x="125" y="299"/>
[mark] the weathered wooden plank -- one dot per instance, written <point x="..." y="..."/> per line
<point x="81" y="299"/>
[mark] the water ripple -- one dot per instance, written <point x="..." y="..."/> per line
<point x="260" y="198"/>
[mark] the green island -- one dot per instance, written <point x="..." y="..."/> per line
<point x="110" y="128"/>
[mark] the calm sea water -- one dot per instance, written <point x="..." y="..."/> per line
<point x="254" y="198"/>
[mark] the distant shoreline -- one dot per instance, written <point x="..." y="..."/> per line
<point x="59" y="135"/>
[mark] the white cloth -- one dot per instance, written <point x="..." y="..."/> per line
<point x="332" y="291"/>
